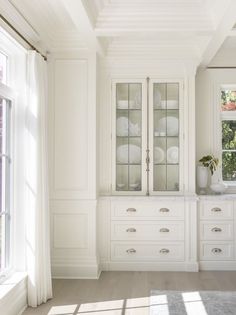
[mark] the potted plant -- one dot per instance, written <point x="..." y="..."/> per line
<point x="209" y="162"/>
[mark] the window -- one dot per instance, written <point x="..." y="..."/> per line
<point x="5" y="167"/>
<point x="228" y="124"/>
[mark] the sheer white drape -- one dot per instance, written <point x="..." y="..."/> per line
<point x="37" y="201"/>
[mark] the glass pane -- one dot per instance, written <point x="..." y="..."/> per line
<point x="229" y="135"/>
<point x="3" y="68"/>
<point x="228" y="100"/>
<point x="135" y="177"/>
<point x="159" y="177"/>
<point x="166" y="137"/>
<point x="135" y="96"/>
<point x="135" y="123"/>
<point x="122" y="95"/>
<point x="160" y="150"/>
<point x="172" y="123"/>
<point x="159" y="95"/>
<point x="229" y="166"/>
<point x="172" y="177"/>
<point x="122" y="177"/>
<point x="122" y="123"/>
<point x="128" y="136"/>
<point x="172" y="96"/>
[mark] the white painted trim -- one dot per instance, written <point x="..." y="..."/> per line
<point x="150" y="266"/>
<point x="217" y="265"/>
<point x="85" y="270"/>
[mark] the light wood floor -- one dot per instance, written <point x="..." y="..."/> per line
<point x="126" y="288"/>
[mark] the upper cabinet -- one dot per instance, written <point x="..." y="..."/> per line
<point x="147" y="137"/>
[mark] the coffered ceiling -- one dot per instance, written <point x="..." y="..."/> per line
<point x="139" y="29"/>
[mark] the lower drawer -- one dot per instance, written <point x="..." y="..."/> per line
<point x="216" y="251"/>
<point x="131" y="251"/>
<point x="147" y="231"/>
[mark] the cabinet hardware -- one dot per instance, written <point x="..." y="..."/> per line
<point x="131" y="230"/>
<point x="216" y="209"/>
<point x="164" y="210"/>
<point x="131" y="210"/>
<point x="216" y="229"/>
<point x="164" y="251"/>
<point x="164" y="230"/>
<point x="131" y="251"/>
<point x="216" y="250"/>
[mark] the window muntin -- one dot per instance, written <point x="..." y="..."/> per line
<point x="228" y="127"/>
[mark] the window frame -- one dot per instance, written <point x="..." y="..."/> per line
<point x="217" y="131"/>
<point x="8" y="94"/>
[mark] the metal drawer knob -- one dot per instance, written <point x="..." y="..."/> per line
<point x="131" y="210"/>
<point x="164" y="230"/>
<point x="131" y="230"/>
<point x="216" y="229"/>
<point x="164" y="251"/>
<point x="131" y="251"/>
<point x="216" y="209"/>
<point x="164" y="210"/>
<point x="216" y="250"/>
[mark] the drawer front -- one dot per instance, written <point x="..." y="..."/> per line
<point x="216" y="251"/>
<point x="216" y="210"/>
<point x="216" y="230"/>
<point x="147" y="231"/>
<point x="130" y="251"/>
<point x="152" y="210"/>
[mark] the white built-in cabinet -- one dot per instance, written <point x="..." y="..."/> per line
<point x="217" y="233"/>
<point x="147" y="123"/>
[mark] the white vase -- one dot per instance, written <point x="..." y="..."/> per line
<point x="202" y="178"/>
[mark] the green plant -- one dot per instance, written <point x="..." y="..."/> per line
<point x="210" y="161"/>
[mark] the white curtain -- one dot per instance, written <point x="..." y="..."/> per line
<point x="37" y="197"/>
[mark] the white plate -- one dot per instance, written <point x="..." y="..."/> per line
<point x="159" y="155"/>
<point x="172" y="155"/>
<point x="172" y="125"/>
<point x="122" y="104"/>
<point x="134" y="154"/>
<point x="170" y="104"/>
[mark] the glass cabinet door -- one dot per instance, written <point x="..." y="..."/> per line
<point x="165" y="136"/>
<point x="128" y="156"/>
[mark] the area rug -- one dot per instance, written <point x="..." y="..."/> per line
<point x="192" y="303"/>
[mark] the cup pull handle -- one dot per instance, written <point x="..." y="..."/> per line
<point x="131" y="230"/>
<point x="216" y="250"/>
<point x="164" y="210"/>
<point x="131" y="251"/>
<point x="164" y="251"/>
<point x="131" y="210"/>
<point x="216" y="209"/>
<point x="216" y="229"/>
<point x="164" y="230"/>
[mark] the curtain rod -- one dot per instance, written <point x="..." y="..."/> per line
<point x="21" y="36"/>
<point x="232" y="67"/>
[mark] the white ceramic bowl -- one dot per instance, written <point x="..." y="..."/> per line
<point x="218" y="188"/>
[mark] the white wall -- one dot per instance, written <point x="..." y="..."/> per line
<point x="72" y="147"/>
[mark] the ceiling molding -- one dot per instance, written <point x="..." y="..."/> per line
<point x="10" y="13"/>
<point x="221" y="32"/>
<point x="80" y="16"/>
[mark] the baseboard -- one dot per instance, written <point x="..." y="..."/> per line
<point x="152" y="266"/>
<point x="217" y="265"/>
<point x="78" y="271"/>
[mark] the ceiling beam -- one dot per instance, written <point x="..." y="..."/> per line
<point x="84" y="23"/>
<point x="222" y="31"/>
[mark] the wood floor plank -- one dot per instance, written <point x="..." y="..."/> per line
<point x="128" y="291"/>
